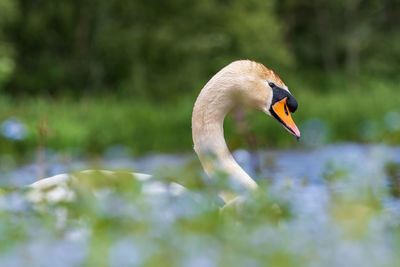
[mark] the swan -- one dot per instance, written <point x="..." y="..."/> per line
<point x="241" y="82"/>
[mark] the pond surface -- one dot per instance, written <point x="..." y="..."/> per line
<point x="310" y="164"/>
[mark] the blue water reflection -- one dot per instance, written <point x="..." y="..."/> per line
<point x="341" y="214"/>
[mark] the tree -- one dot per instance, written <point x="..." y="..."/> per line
<point x="152" y="49"/>
<point x="8" y="12"/>
<point x="350" y="35"/>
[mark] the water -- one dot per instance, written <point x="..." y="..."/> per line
<point x="309" y="164"/>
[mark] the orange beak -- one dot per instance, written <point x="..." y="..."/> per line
<point x="282" y="114"/>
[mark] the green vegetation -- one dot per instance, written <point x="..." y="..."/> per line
<point x="165" y="50"/>
<point x="93" y="124"/>
<point x="101" y="72"/>
<point x="109" y="221"/>
<point x="153" y="50"/>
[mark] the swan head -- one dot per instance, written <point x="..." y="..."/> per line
<point x="281" y="106"/>
<point x="264" y="90"/>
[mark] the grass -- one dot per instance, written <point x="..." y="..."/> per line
<point x="90" y="125"/>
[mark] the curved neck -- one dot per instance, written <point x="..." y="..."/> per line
<point x="213" y="103"/>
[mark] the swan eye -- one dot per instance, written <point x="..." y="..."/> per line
<point x="272" y="85"/>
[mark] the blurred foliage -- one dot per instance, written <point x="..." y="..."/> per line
<point x="148" y="49"/>
<point x="162" y="50"/>
<point x="354" y="35"/>
<point x="102" y="72"/>
<point x="8" y="13"/>
<point x="93" y="124"/>
<point x="111" y="221"/>
<point x="393" y="173"/>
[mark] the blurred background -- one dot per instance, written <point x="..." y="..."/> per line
<point x="111" y="84"/>
<point x="82" y="76"/>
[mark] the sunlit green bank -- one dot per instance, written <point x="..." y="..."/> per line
<point x="368" y="112"/>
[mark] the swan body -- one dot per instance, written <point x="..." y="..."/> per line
<point x="56" y="188"/>
<point x="241" y="82"/>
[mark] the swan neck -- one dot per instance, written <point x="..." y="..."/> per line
<point x="212" y="105"/>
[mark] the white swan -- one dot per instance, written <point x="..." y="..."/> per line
<point x="241" y="82"/>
